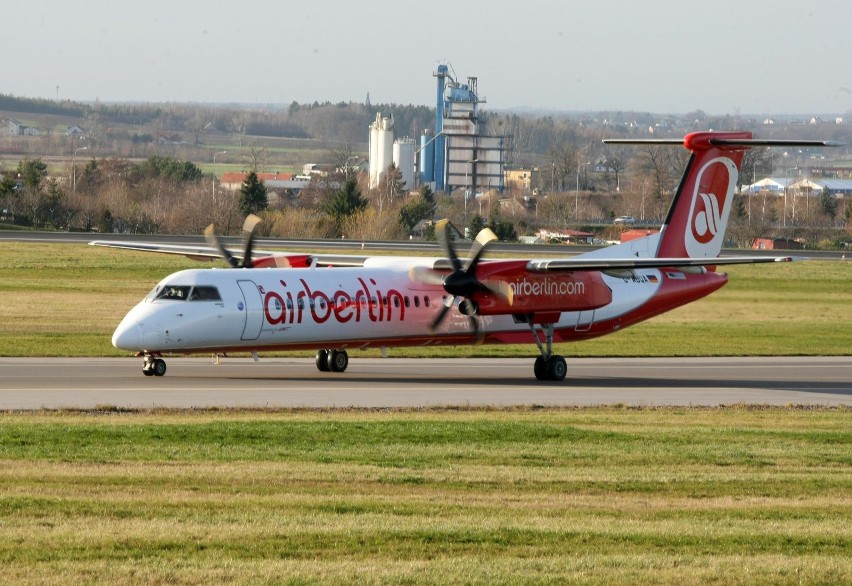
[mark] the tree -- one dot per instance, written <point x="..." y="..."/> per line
<point x="390" y="186"/>
<point x="428" y="196"/>
<point x="417" y="209"/>
<point x="253" y="197"/>
<point x="828" y="203"/>
<point x="32" y="172"/>
<point x="503" y="229"/>
<point x="167" y="168"/>
<point x="475" y="225"/>
<point x="344" y="202"/>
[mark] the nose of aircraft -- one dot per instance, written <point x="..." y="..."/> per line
<point x="128" y="335"/>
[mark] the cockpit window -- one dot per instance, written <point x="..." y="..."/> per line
<point x="174" y="292"/>
<point x="204" y="293"/>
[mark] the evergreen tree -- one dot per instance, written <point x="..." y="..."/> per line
<point x="428" y="196"/>
<point x="253" y="198"/>
<point x="475" y="225"/>
<point x="344" y="202"/>
<point x="828" y="203"/>
<point x="32" y="172"/>
<point x="417" y="209"/>
<point x="503" y="229"/>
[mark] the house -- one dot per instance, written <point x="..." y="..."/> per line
<point x="12" y="127"/>
<point x="74" y="131"/>
<point x="776" y="244"/>
<point x="838" y="187"/>
<point x="771" y="184"/>
<point x="520" y="178"/>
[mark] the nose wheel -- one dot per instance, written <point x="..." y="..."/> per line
<point x="154" y="366"/>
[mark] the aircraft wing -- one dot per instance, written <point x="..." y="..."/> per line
<point x="605" y="264"/>
<point x="210" y="254"/>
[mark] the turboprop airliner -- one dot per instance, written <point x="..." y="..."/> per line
<point x="333" y="304"/>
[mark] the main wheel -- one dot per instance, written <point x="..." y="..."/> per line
<point x="557" y="368"/>
<point x="322" y="360"/>
<point x="540" y="368"/>
<point x="148" y="369"/>
<point x="338" y="360"/>
<point x="158" y="367"/>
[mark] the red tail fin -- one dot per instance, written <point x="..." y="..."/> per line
<point x="696" y="223"/>
<point x="698" y="217"/>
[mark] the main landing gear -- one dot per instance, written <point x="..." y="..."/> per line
<point x="332" y="360"/>
<point x="548" y="366"/>
<point x="153" y="366"/>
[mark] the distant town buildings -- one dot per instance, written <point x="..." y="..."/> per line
<point x="12" y="127"/>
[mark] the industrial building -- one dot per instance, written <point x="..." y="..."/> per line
<point x="457" y="154"/>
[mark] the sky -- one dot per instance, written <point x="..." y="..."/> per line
<point x="660" y="56"/>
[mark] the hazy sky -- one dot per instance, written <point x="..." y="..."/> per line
<point x="662" y="56"/>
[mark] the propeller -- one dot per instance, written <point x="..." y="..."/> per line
<point x="249" y="227"/>
<point x="461" y="282"/>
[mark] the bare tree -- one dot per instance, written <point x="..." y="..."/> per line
<point x="257" y="157"/>
<point x="563" y="164"/>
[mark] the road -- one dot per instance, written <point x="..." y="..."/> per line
<point x="34" y="383"/>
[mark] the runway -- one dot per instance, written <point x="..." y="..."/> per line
<point x="87" y="383"/>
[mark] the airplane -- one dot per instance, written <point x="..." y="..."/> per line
<point x="268" y="301"/>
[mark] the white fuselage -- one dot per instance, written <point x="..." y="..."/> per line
<point x="370" y="306"/>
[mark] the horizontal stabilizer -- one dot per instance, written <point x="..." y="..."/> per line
<point x="728" y="142"/>
<point x="604" y="264"/>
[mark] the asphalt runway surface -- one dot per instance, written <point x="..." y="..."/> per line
<point x="87" y="383"/>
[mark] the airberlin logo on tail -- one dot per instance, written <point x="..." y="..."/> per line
<point x="706" y="221"/>
<point x="711" y="203"/>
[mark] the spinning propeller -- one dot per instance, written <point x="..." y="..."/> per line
<point x="249" y="227"/>
<point x="461" y="282"/>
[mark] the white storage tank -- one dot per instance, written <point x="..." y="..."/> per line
<point x="381" y="147"/>
<point x="403" y="158"/>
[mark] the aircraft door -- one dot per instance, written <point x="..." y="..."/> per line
<point x="585" y="319"/>
<point x="253" y="309"/>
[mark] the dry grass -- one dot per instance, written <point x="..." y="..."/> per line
<point x="586" y="495"/>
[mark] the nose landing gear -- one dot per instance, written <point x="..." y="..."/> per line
<point x="153" y="366"/>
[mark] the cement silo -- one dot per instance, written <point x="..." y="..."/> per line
<point x="381" y="147"/>
<point x="427" y="158"/>
<point x="403" y="158"/>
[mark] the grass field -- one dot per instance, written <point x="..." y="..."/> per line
<point x="595" y="496"/>
<point x="65" y="300"/>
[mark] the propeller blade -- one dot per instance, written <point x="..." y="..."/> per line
<point x="249" y="227"/>
<point x="477" y="331"/>
<point x="213" y="241"/>
<point x="443" y="237"/>
<point x="501" y="289"/>
<point x="425" y="275"/>
<point x="484" y="237"/>
<point x="442" y="314"/>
